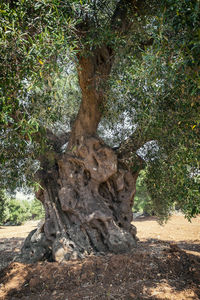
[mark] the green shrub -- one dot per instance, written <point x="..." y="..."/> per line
<point x="142" y="200"/>
<point x="19" y="211"/>
<point x="15" y="212"/>
<point x="37" y="209"/>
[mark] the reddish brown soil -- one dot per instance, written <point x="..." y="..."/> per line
<point x="165" y="265"/>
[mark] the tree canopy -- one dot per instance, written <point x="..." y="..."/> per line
<point x="151" y="97"/>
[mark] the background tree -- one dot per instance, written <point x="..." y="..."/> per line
<point x="134" y="75"/>
<point x="15" y="211"/>
<point x="3" y="207"/>
<point x="142" y="199"/>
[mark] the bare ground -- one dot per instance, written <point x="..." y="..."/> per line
<point x="165" y="265"/>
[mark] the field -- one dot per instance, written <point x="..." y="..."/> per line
<point x="164" y="265"/>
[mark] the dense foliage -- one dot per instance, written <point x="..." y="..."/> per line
<point x="153" y="89"/>
<point x="14" y="211"/>
<point x="32" y="35"/>
<point x="177" y="174"/>
<point x="159" y="87"/>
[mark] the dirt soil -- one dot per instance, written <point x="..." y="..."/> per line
<point x="164" y="265"/>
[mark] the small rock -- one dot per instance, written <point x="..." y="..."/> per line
<point x="34" y="282"/>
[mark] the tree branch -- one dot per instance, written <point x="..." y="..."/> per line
<point x="120" y="20"/>
<point x="127" y="151"/>
<point x="134" y="142"/>
<point x="93" y="72"/>
<point x="57" y="141"/>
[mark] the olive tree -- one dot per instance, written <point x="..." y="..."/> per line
<point x="127" y="75"/>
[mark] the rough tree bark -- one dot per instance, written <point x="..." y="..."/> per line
<point x="87" y="191"/>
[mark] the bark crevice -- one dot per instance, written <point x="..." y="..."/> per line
<point x="88" y="201"/>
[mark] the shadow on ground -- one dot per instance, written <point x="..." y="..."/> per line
<point x="154" y="270"/>
<point x="142" y="218"/>
<point x="195" y="246"/>
<point x="9" y="247"/>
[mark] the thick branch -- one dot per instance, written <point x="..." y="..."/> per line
<point x="128" y="148"/>
<point x="120" y="20"/>
<point x="133" y="143"/>
<point x="56" y="141"/>
<point x="93" y="72"/>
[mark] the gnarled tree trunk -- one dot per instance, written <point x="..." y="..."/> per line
<point x="86" y="191"/>
<point x="88" y="198"/>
